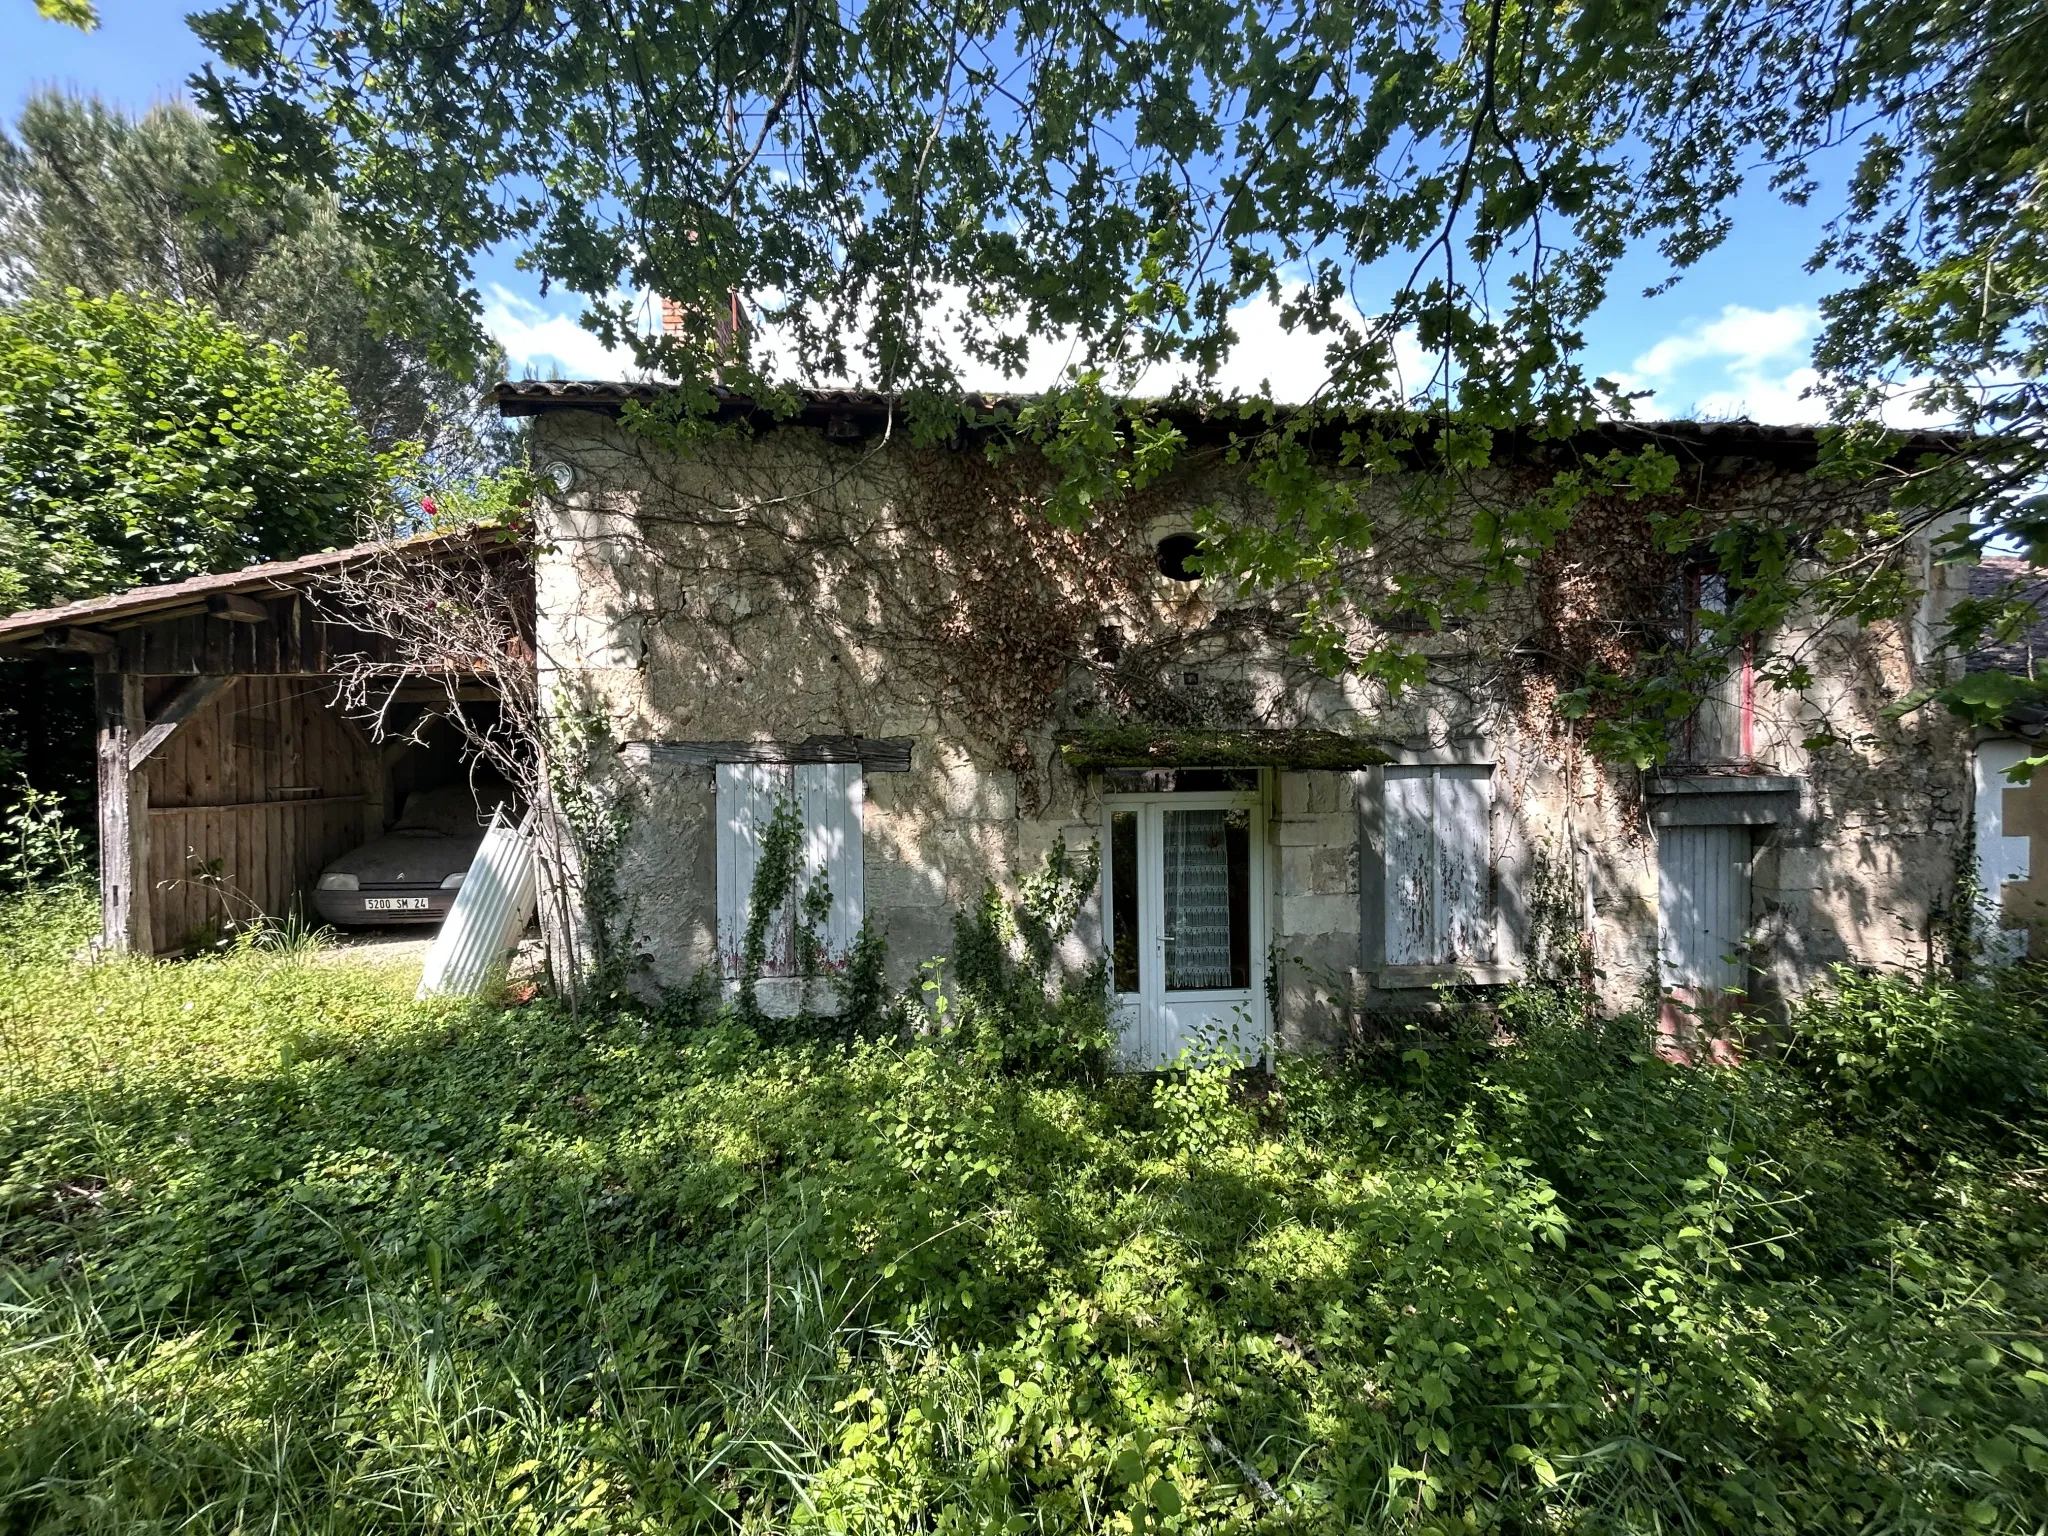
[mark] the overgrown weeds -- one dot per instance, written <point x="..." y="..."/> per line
<point x="286" y="1250"/>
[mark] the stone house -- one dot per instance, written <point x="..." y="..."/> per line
<point x="888" y="636"/>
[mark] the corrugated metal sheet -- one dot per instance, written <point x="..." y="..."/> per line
<point x="1703" y="906"/>
<point x="494" y="904"/>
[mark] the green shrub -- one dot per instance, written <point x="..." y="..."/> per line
<point x="41" y="849"/>
<point x="862" y="987"/>
<point x="145" y="441"/>
<point x="1023" y="1019"/>
<point x="1930" y="1060"/>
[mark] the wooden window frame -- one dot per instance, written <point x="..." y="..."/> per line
<point x="1506" y="876"/>
<point x="1690" y="586"/>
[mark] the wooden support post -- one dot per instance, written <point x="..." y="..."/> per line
<point x="125" y="906"/>
<point x="373" y="768"/>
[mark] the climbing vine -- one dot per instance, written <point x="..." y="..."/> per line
<point x="778" y="865"/>
<point x="594" y="807"/>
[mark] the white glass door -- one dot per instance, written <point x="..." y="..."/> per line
<point x="1185" y="900"/>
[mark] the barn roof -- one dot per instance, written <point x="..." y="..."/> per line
<point x="141" y="604"/>
<point x="863" y="412"/>
<point x="1992" y="576"/>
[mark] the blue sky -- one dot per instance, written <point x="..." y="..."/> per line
<point x="1732" y="338"/>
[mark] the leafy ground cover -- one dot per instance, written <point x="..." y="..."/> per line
<point x="284" y="1250"/>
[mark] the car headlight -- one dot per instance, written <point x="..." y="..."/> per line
<point x="340" y="883"/>
<point x="453" y="882"/>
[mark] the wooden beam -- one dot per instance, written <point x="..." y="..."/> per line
<point x="238" y="606"/>
<point x="315" y="801"/>
<point x="187" y="701"/>
<point x="154" y="617"/>
<point x="435" y="693"/>
<point x="125" y="891"/>
<point x="373" y="767"/>
<point x="69" y="637"/>
<point x="876" y="754"/>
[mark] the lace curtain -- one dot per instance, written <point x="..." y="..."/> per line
<point x="1197" y="900"/>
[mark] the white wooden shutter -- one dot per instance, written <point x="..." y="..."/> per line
<point x="1439" y="874"/>
<point x="747" y="796"/>
<point x="1411" y="887"/>
<point x="1464" y="865"/>
<point x="1703" y="878"/>
<point x="829" y="797"/>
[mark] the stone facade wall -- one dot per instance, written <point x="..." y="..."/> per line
<point x="789" y="587"/>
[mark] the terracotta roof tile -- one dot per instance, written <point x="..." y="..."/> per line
<point x="2024" y="653"/>
<point x="138" y="601"/>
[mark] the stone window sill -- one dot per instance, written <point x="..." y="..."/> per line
<point x="1410" y="978"/>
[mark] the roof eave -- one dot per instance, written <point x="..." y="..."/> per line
<point x="97" y="616"/>
<point x="1793" y="447"/>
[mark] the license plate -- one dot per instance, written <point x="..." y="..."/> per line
<point x="394" y="903"/>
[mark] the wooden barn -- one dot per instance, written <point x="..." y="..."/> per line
<point x="228" y="778"/>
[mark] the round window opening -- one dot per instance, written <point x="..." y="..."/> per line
<point x="1175" y="551"/>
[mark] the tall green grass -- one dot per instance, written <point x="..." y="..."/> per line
<point x="286" y="1251"/>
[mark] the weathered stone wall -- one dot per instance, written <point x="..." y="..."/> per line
<point x="789" y="587"/>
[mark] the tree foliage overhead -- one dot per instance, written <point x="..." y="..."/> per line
<point x="878" y="178"/>
<point x="94" y="200"/>
<point x="1133" y="171"/>
<point x="146" y="441"/>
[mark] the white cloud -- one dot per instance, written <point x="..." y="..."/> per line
<point x="1742" y="340"/>
<point x="1764" y="396"/>
<point x="1745" y="362"/>
<point x="1266" y="353"/>
<point x="550" y="343"/>
<point x="1294" y="365"/>
<point x="1754" y="363"/>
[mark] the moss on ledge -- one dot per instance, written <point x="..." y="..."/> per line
<point x="1136" y="745"/>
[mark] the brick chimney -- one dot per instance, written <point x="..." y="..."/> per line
<point x="731" y="323"/>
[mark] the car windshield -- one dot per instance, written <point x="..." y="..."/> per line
<point x="450" y="811"/>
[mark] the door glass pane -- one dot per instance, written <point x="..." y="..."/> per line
<point x="1123" y="900"/>
<point x="1207" y="917"/>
